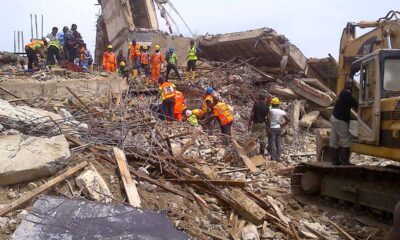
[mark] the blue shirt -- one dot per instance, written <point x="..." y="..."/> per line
<point x="60" y="37"/>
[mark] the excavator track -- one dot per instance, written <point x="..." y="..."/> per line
<point x="374" y="187"/>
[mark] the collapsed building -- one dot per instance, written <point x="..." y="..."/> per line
<point x="90" y="143"/>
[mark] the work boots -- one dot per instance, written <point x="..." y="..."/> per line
<point x="344" y="157"/>
<point x="335" y="156"/>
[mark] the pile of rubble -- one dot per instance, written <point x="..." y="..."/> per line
<point x="123" y="159"/>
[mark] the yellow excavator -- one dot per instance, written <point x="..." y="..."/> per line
<point x="373" y="61"/>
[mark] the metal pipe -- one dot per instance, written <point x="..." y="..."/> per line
<point x="19" y="41"/>
<point x="389" y="41"/>
<point x="37" y="36"/>
<point x="31" y="27"/>
<point x="15" y="43"/>
<point x="42" y="25"/>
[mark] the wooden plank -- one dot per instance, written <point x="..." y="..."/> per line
<point x="244" y="156"/>
<point x="77" y="97"/>
<point x="211" y="234"/>
<point x="341" y="231"/>
<point x="295" y="232"/>
<point x="233" y="183"/>
<point x="187" y="146"/>
<point x="130" y="186"/>
<point x="278" y="211"/>
<point x="160" y="184"/>
<point x="43" y="188"/>
<point x="233" y="170"/>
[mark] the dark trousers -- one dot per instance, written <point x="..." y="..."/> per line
<point x="168" y="107"/>
<point x="32" y="58"/>
<point x="146" y="69"/>
<point x="51" y="52"/>
<point x="226" y="131"/>
<point x="191" y="65"/>
<point x="172" y="66"/>
<point x="71" y="53"/>
<point x="274" y="140"/>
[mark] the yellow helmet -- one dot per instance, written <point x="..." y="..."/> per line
<point x="144" y="46"/>
<point x="275" y="101"/>
<point x="122" y="64"/>
<point x="157" y="47"/>
<point x="109" y="46"/>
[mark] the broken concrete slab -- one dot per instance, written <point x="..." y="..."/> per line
<point x="321" y="122"/>
<point x="311" y="93"/>
<point x="324" y="69"/>
<point x="93" y="185"/>
<point x="250" y="232"/>
<point x="264" y="44"/>
<point x="308" y="119"/>
<point x="247" y="208"/>
<point x="282" y="91"/>
<point x="62" y="218"/>
<point x="25" y="158"/>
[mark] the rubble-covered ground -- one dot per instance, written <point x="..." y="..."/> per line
<point x="204" y="186"/>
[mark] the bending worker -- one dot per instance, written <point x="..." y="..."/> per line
<point x="167" y="92"/>
<point x="109" y="60"/>
<point x="32" y="49"/>
<point x="340" y="125"/>
<point x="191" y="63"/>
<point x="179" y="106"/>
<point x="208" y="99"/>
<point x="172" y="61"/>
<point x="156" y="60"/>
<point x="54" y="48"/>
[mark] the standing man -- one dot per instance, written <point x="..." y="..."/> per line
<point x="172" y="61"/>
<point x="167" y="92"/>
<point x="72" y="40"/>
<point x="121" y="58"/>
<point x="258" y="120"/>
<point x="156" y="60"/>
<point x="179" y="106"/>
<point x="192" y="58"/>
<point x="134" y="56"/>
<point x="54" y="48"/>
<point x="275" y="128"/>
<point x="61" y="39"/>
<point x="208" y="101"/>
<point x="340" y="125"/>
<point x="109" y="60"/>
<point x="145" y="62"/>
<point x="223" y="115"/>
<point x="53" y="35"/>
<point x="32" y="49"/>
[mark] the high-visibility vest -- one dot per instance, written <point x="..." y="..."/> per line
<point x="54" y="43"/>
<point x="179" y="105"/>
<point x="224" y="114"/>
<point x="82" y="52"/>
<point x="193" y="121"/>
<point x="157" y="59"/>
<point x="167" y="90"/>
<point x="198" y="112"/>
<point x="145" y="58"/>
<point x="204" y="106"/>
<point x="109" y="58"/>
<point x="192" y="53"/>
<point x="135" y="51"/>
<point x="173" y="59"/>
<point x="35" y="44"/>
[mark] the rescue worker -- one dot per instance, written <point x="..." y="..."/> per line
<point x="191" y="118"/>
<point x="394" y="233"/>
<point x="123" y="71"/>
<point x="109" y="60"/>
<point x="61" y="39"/>
<point x="54" y="48"/>
<point x="191" y="61"/>
<point x="179" y="106"/>
<point x="167" y="92"/>
<point x="156" y="60"/>
<point x="72" y="40"/>
<point x="53" y="35"/>
<point x="223" y="115"/>
<point x="145" y="61"/>
<point x="340" y="125"/>
<point x="134" y="56"/>
<point x="205" y="110"/>
<point x="275" y="128"/>
<point x="82" y="54"/>
<point x="172" y="61"/>
<point x="121" y="58"/>
<point x="32" y="49"/>
<point x="258" y="120"/>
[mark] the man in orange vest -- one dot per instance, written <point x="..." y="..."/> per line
<point x="156" y="60"/>
<point x="145" y="61"/>
<point x="208" y="98"/>
<point x="109" y="60"/>
<point x="179" y="106"/>
<point x="32" y="49"/>
<point x="167" y="92"/>
<point x="223" y="114"/>
<point x="134" y="56"/>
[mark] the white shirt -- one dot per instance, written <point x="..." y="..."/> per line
<point x="275" y="117"/>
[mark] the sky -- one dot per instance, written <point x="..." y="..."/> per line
<point x="314" y="26"/>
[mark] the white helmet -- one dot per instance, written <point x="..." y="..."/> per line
<point x="47" y="40"/>
<point x="188" y="113"/>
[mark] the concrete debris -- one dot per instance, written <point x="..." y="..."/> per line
<point x="250" y="232"/>
<point x="283" y="91"/>
<point x="25" y="158"/>
<point x="321" y="98"/>
<point x="308" y="119"/>
<point x="94" y="187"/>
